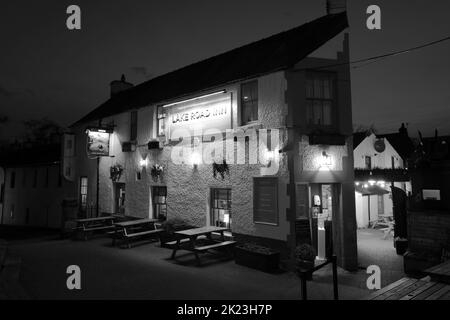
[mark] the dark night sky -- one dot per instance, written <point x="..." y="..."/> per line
<point x="49" y="71"/>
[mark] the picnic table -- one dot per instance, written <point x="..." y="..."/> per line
<point x="440" y="272"/>
<point x="134" y="229"/>
<point x="88" y="225"/>
<point x="412" y="289"/>
<point x="187" y="240"/>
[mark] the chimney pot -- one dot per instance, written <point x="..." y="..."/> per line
<point x="119" y="85"/>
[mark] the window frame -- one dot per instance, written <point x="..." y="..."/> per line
<point x="160" y="120"/>
<point x="333" y="100"/>
<point x="241" y="102"/>
<point x="83" y="200"/>
<point x="155" y="195"/>
<point x="213" y="192"/>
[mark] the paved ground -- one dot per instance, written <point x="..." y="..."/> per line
<point x="374" y="250"/>
<point x="144" y="272"/>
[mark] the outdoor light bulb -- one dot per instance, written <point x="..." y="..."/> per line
<point x="356" y="183"/>
<point x="366" y="185"/>
<point x="372" y="182"/>
<point x="195" y="159"/>
<point x="143" y="162"/>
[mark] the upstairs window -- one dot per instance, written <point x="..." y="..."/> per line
<point x="320" y="98"/>
<point x="249" y="102"/>
<point x="133" y="125"/>
<point x="368" y="162"/>
<point x="160" y="121"/>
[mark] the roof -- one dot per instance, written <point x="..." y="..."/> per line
<point x="30" y="156"/>
<point x="400" y="141"/>
<point x="278" y="52"/>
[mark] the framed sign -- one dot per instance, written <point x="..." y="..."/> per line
<point x="98" y="143"/>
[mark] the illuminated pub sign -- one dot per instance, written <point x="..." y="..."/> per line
<point x="212" y="112"/>
<point x="98" y="142"/>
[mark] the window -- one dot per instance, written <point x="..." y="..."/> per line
<point x="160" y="120"/>
<point x="393" y="162"/>
<point x="221" y="207"/>
<point x="320" y="98"/>
<point x="133" y="125"/>
<point x="428" y="194"/>
<point x="83" y="193"/>
<point x="368" y="162"/>
<point x="249" y="102"/>
<point x="265" y="200"/>
<point x="159" y="202"/>
<point x="12" y="183"/>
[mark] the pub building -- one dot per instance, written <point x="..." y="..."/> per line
<point x="257" y="139"/>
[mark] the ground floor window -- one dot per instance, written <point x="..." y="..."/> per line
<point x="83" y="193"/>
<point x="159" y="202"/>
<point x="221" y="207"/>
<point x="119" y="198"/>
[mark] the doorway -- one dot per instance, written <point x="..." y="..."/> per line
<point x="119" y="198"/>
<point x="316" y="205"/>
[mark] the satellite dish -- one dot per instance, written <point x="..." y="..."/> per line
<point x="379" y="145"/>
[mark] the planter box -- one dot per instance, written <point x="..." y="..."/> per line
<point x="401" y="246"/>
<point x="256" y="260"/>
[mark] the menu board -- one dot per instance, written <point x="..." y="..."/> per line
<point x="265" y="200"/>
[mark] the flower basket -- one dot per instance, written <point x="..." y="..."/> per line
<point x="156" y="172"/>
<point x="257" y="257"/>
<point x="221" y="169"/>
<point x="305" y="256"/>
<point x="115" y="172"/>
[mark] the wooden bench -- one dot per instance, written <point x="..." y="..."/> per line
<point x="412" y="289"/>
<point x="139" y="234"/>
<point x="224" y="244"/>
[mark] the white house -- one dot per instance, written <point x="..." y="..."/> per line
<point x="377" y="166"/>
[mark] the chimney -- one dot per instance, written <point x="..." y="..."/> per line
<point x="336" y="6"/>
<point x="119" y="85"/>
<point x="403" y="130"/>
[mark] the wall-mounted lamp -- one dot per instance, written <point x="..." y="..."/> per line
<point x="325" y="161"/>
<point x="270" y="155"/>
<point x="195" y="159"/>
<point x="143" y="163"/>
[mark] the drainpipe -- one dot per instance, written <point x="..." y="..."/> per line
<point x="3" y="193"/>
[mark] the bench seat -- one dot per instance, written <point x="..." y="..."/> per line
<point x="98" y="228"/>
<point x="215" y="245"/>
<point x="142" y="233"/>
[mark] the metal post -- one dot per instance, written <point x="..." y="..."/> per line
<point x="303" y="287"/>
<point x="335" y="280"/>
<point x="98" y="185"/>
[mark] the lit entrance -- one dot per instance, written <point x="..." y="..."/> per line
<point x="119" y="198"/>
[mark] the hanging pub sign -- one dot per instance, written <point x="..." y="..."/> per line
<point x="98" y="142"/>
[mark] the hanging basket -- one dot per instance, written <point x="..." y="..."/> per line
<point x="221" y="169"/>
<point x="115" y="172"/>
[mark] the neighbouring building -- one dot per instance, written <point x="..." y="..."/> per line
<point x="258" y="139"/>
<point x="429" y="204"/>
<point x="380" y="162"/>
<point x="31" y="186"/>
